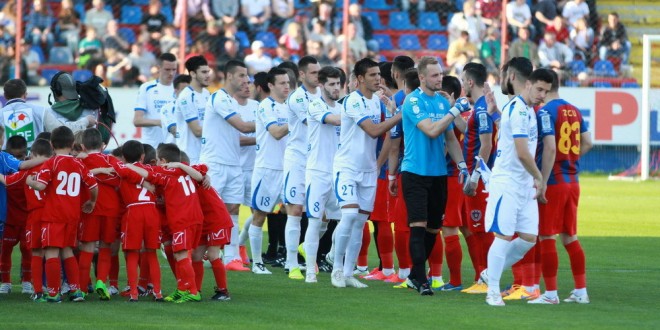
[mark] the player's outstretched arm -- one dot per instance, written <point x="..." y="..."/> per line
<point x="278" y="131"/>
<point x="88" y="206"/>
<point x="30" y="163"/>
<point x="194" y="174"/>
<point x="34" y="184"/>
<point x="247" y="141"/>
<point x="240" y="125"/>
<point x="376" y="130"/>
<point x="142" y="172"/>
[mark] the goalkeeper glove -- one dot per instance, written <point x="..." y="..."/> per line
<point x="463" y="172"/>
<point x="461" y="105"/>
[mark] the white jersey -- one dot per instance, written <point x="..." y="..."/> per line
<point x="518" y="121"/>
<point x="270" y="152"/>
<point x="220" y="140"/>
<point x="248" y="153"/>
<point x="323" y="139"/>
<point x="167" y="121"/>
<point x="357" y="150"/>
<point x="152" y="97"/>
<point x="296" y="146"/>
<point x="190" y="106"/>
<point x="25" y="119"/>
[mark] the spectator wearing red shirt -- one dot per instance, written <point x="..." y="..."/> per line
<point x="560" y="30"/>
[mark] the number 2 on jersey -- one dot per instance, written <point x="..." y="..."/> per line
<point x="569" y="138"/>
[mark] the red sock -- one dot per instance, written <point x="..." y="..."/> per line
<point x="114" y="270"/>
<point x="474" y="249"/>
<point x="186" y="275"/>
<point x="517" y="271"/>
<point x="578" y="264"/>
<point x="72" y="273"/>
<point x="144" y="270"/>
<point x="538" y="266"/>
<point x="528" y="268"/>
<point x="385" y="244"/>
<point x="103" y="264"/>
<point x="435" y="258"/>
<point x="53" y="276"/>
<point x="132" y="257"/>
<point x="84" y="266"/>
<point x="37" y="269"/>
<point x="364" y="250"/>
<point x="154" y="269"/>
<point x="402" y="247"/>
<point x="5" y="261"/>
<point x="219" y="273"/>
<point x="485" y="240"/>
<point x="198" y="268"/>
<point x="26" y="261"/>
<point x="454" y="255"/>
<point x="550" y="263"/>
<point x="170" y="259"/>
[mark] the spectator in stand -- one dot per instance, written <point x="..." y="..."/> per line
<point x="142" y="60"/>
<point x="231" y="52"/>
<point x="8" y="17"/>
<point x="8" y="67"/>
<point x="89" y="47"/>
<point x="362" y="24"/>
<point x="324" y="13"/>
<point x="67" y="26"/>
<point x="560" y="30"/>
<point x="490" y="11"/>
<point x="6" y="39"/>
<point x="414" y="7"/>
<point x="39" y="25"/>
<point x="524" y="47"/>
<point x="518" y="14"/>
<point x="554" y="55"/>
<point x="169" y="42"/>
<point x="257" y="14"/>
<point x="442" y="7"/>
<point x="469" y="21"/>
<point x="212" y="36"/>
<point x="153" y="22"/>
<point x="115" y="63"/>
<point x="225" y="11"/>
<point x="112" y="38"/>
<point x="315" y="48"/>
<point x="582" y="39"/>
<point x="98" y="17"/>
<point x="202" y="47"/>
<point x="258" y="60"/>
<point x="327" y="39"/>
<point x="491" y="49"/>
<point x="283" y="13"/>
<point x="199" y="12"/>
<point x="293" y="39"/>
<point x="356" y="45"/>
<point x="614" y="40"/>
<point x="32" y="61"/>
<point x="574" y="10"/>
<point x="461" y="52"/>
<point x="283" y="55"/>
<point x="544" y="12"/>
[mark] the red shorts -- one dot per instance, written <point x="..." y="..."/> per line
<point x="58" y="234"/>
<point x="560" y="214"/>
<point x="139" y="225"/>
<point x="476" y="209"/>
<point x="13" y="234"/>
<point x="400" y="211"/>
<point x="98" y="228"/>
<point x="455" y="209"/>
<point x="186" y="239"/>
<point x="380" y="205"/>
<point x="217" y="236"/>
<point x="165" y="233"/>
<point x="33" y="229"/>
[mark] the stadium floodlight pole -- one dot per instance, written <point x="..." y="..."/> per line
<point x="505" y="33"/>
<point x="19" y="36"/>
<point x="344" y="53"/>
<point x="646" y="109"/>
<point x="183" y="31"/>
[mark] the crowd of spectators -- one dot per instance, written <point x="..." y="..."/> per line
<point x="552" y="33"/>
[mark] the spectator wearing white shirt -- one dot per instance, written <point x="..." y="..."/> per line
<point x="143" y="60"/>
<point x="582" y="39"/>
<point x="574" y="10"/>
<point x="198" y="11"/>
<point x="554" y="55"/>
<point x="98" y="17"/>
<point x="518" y="15"/>
<point x="257" y="14"/>
<point x="468" y="21"/>
<point x="258" y="61"/>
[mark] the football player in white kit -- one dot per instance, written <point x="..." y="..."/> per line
<point x="295" y="157"/>
<point x="323" y="120"/>
<point x="272" y="131"/>
<point x="221" y="150"/>
<point x="167" y="119"/>
<point x="515" y="182"/>
<point x="190" y="108"/>
<point x="153" y="96"/>
<point x="355" y="169"/>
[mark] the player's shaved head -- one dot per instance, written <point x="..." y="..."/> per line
<point x="92" y="139"/>
<point x="169" y="152"/>
<point x="522" y="67"/>
<point x="149" y="154"/>
<point x="231" y="65"/>
<point x="476" y="72"/>
<point x="132" y="151"/>
<point x="41" y="147"/>
<point x="62" y="138"/>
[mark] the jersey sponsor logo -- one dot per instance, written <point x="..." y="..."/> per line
<point x="356" y="105"/>
<point x="483" y="121"/>
<point x="20" y="122"/>
<point x="546" y="125"/>
<point x="300" y="100"/>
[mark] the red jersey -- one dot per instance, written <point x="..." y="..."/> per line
<point x="451" y="165"/>
<point x="17" y="211"/>
<point x="130" y="186"/>
<point x="479" y="122"/>
<point x="108" y="195"/>
<point x="63" y="176"/>
<point x="182" y="206"/>
<point x="213" y="207"/>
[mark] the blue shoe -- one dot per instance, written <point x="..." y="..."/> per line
<point x="77" y="296"/>
<point x="450" y="287"/>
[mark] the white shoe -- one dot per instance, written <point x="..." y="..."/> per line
<point x="27" y="288"/>
<point x="484" y="276"/>
<point x="337" y="278"/>
<point x="352" y="282"/>
<point x="494" y="299"/>
<point x="544" y="300"/>
<point x="5" y="288"/>
<point x="330" y="258"/>
<point x="310" y="277"/>
<point x="259" y="268"/>
<point x="65" y="288"/>
<point x="113" y="290"/>
<point x="577" y="299"/>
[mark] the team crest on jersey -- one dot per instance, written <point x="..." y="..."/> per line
<point x="475" y="215"/>
<point x="184" y="102"/>
<point x="415" y="109"/>
<point x="356" y="105"/>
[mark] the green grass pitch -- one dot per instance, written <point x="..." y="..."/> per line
<point x="619" y="228"/>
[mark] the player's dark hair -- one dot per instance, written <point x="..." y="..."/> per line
<point x="362" y="66"/>
<point x="476" y="72"/>
<point x="328" y="72"/>
<point x="182" y="79"/>
<point x="166" y="57"/>
<point x="193" y="63"/>
<point x="522" y="66"/>
<point x="44" y="135"/>
<point x="62" y="138"/>
<point x="543" y="75"/>
<point x="169" y="151"/>
<point x="402" y="63"/>
<point x="92" y="139"/>
<point x="261" y="80"/>
<point x="555" y="81"/>
<point x="452" y="86"/>
<point x="14" y="89"/>
<point x="305" y="61"/>
<point x="291" y="66"/>
<point x="41" y="147"/>
<point x="386" y="74"/>
<point x="149" y="153"/>
<point x="231" y="65"/>
<point x="184" y="157"/>
<point x="16" y="142"/>
<point x="342" y="77"/>
<point x="273" y="73"/>
<point x="411" y="77"/>
<point x="132" y="151"/>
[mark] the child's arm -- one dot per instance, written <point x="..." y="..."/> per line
<point x="194" y="174"/>
<point x="30" y="163"/>
<point x="2" y="180"/>
<point x="103" y="170"/>
<point x="142" y="172"/>
<point x="88" y="206"/>
<point x="34" y="184"/>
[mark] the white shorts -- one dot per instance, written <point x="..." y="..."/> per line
<point x="319" y="197"/>
<point x="511" y="210"/>
<point x="228" y="181"/>
<point x="294" y="183"/>
<point x="355" y="188"/>
<point x="266" y="189"/>
<point x="247" y="187"/>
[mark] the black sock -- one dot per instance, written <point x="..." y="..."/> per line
<point x="325" y="243"/>
<point x="418" y="254"/>
<point x="271" y="252"/>
<point x="429" y="242"/>
<point x="380" y="262"/>
<point x="304" y="222"/>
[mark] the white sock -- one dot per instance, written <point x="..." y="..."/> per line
<point x="388" y="271"/>
<point x="243" y="237"/>
<point x="551" y="294"/>
<point x="342" y="235"/>
<point x="529" y="289"/>
<point x="323" y="228"/>
<point x="311" y="243"/>
<point x="231" y="250"/>
<point x="537" y="287"/>
<point x="517" y="250"/>
<point x="404" y="273"/>
<point x="580" y="292"/>
<point x="354" y="244"/>
<point x="291" y="240"/>
<point x="256" y="239"/>
<point x="496" y="256"/>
